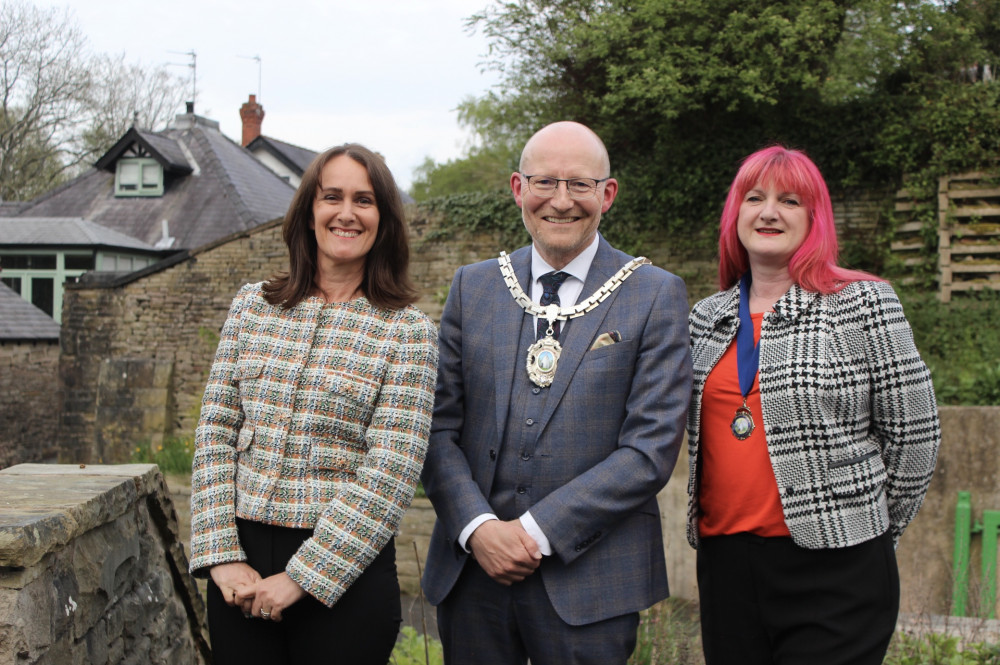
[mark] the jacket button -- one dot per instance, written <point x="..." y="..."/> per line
<point x="493" y="454"/>
<point x="525" y="456"/>
<point x="529" y="422"/>
<point x="521" y="490"/>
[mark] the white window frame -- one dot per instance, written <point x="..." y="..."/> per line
<point x="138" y="176"/>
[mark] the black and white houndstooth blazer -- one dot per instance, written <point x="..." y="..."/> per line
<point x="849" y="411"/>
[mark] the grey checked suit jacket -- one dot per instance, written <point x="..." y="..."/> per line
<point x="606" y="444"/>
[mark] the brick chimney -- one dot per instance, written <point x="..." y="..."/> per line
<point x="252" y="114"/>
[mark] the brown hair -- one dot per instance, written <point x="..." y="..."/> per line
<point x="386" y="282"/>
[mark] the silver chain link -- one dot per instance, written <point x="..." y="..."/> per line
<point x="565" y="313"/>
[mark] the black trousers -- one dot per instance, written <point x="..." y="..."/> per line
<point x="360" y="629"/>
<point x="767" y="601"/>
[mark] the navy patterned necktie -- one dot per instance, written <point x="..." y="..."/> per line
<point x="551" y="281"/>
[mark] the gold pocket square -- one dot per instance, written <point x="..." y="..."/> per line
<point x="606" y="339"/>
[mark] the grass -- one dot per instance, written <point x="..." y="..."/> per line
<point x="669" y="632"/>
<point x="173" y="456"/>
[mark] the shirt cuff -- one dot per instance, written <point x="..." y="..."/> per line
<point x="535" y="531"/>
<point x="463" y="538"/>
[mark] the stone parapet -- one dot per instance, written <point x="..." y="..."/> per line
<point x="92" y="569"/>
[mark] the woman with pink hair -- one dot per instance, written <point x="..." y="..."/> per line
<point x="813" y="433"/>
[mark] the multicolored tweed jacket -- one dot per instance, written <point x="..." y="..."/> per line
<point x="316" y="417"/>
<point x="849" y="411"/>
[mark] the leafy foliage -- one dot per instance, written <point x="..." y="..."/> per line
<point x="483" y="170"/>
<point x="960" y="342"/>
<point x="681" y="92"/>
<point x="936" y="649"/>
<point x="489" y="211"/>
<point x="412" y="649"/>
<point x="173" y="456"/>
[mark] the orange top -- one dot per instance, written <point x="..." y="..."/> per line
<point x="737" y="492"/>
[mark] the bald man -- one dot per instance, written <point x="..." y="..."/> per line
<point x="563" y="385"/>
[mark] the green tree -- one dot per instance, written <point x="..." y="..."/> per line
<point x="482" y="170"/>
<point x="682" y="91"/>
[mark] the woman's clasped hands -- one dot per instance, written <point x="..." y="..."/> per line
<point x="266" y="598"/>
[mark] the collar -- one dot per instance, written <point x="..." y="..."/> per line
<point x="579" y="267"/>
<point x="789" y="306"/>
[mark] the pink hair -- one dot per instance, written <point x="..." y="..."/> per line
<point x="814" y="265"/>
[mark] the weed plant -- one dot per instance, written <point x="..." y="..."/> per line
<point x="173" y="456"/>
<point x="669" y="632"/>
<point x="938" y="649"/>
<point x="411" y="649"/>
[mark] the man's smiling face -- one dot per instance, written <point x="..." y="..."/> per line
<point x="560" y="226"/>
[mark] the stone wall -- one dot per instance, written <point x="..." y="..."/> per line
<point x="416" y="528"/>
<point x="136" y="352"/>
<point x="29" y="402"/>
<point x="967" y="462"/>
<point x="92" y="571"/>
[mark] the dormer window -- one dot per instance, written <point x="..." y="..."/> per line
<point x="138" y="176"/>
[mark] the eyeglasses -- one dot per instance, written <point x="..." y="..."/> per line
<point x="546" y="186"/>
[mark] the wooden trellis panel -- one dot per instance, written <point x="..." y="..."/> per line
<point x="968" y="221"/>
<point x="968" y="233"/>
<point x="908" y="243"/>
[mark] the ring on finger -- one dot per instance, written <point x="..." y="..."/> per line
<point x="264" y="615"/>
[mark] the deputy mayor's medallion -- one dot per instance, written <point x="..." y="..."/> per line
<point x="543" y="357"/>
<point x="742" y="424"/>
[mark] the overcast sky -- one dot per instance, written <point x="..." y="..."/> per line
<point x="385" y="73"/>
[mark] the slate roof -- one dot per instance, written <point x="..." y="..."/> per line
<point x="292" y="156"/>
<point x="212" y="188"/>
<point x="63" y="231"/>
<point x="20" y="321"/>
<point x="295" y="158"/>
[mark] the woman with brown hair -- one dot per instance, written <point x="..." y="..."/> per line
<point x="313" y="431"/>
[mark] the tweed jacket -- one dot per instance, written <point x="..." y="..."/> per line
<point x="314" y="417"/>
<point x="601" y="447"/>
<point x="849" y="412"/>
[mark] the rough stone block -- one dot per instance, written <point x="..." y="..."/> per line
<point x="109" y="593"/>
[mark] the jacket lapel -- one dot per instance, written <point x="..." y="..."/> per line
<point x="508" y="317"/>
<point x="583" y="330"/>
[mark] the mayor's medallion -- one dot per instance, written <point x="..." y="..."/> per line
<point x="543" y="356"/>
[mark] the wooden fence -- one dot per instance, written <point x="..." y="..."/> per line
<point x="967" y="216"/>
